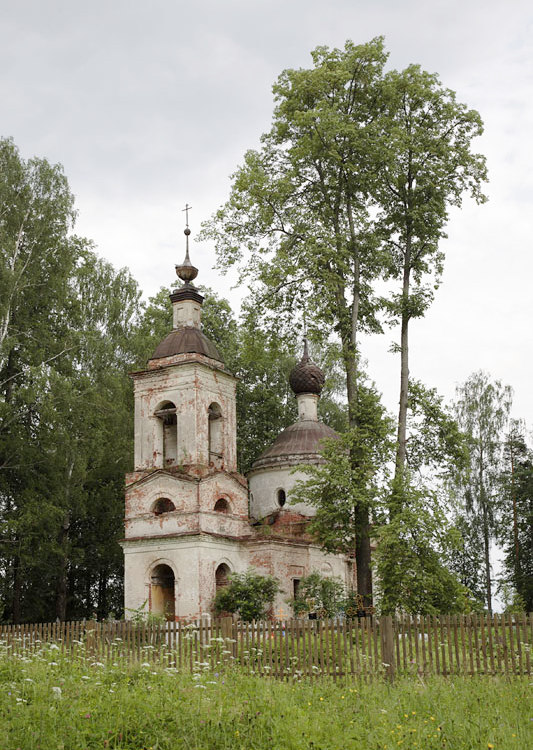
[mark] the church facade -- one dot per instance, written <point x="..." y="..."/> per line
<point x="190" y="518"/>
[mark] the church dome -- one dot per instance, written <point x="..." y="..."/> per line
<point x="187" y="340"/>
<point x="301" y="441"/>
<point x="306" y="377"/>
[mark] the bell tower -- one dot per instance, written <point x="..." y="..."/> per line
<point x="184" y="491"/>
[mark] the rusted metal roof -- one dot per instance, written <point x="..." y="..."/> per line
<point x="302" y="439"/>
<point x="186" y="340"/>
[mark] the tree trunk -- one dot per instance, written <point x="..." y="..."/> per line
<point x="401" y="448"/>
<point x="61" y="585"/>
<point x="17" y="590"/>
<point x="486" y="546"/>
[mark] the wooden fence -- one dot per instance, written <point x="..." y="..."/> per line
<point x="292" y="649"/>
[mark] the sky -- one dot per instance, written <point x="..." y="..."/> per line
<point x="149" y="105"/>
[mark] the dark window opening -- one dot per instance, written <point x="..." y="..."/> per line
<point x="164" y="505"/>
<point x="295" y="587"/>
<point x="222" y="506"/>
<point x="221" y="576"/>
<point x="282" y="498"/>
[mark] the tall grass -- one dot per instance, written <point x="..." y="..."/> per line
<point x="52" y="701"/>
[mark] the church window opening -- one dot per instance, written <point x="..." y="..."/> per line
<point x="282" y="498"/>
<point x="222" y="576"/>
<point x="295" y="587"/>
<point x="162" y="592"/>
<point x="163" y="505"/>
<point x="222" y="505"/>
<point x="168" y="432"/>
<point x="216" y="440"/>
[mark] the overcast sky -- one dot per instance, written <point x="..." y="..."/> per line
<point x="152" y="104"/>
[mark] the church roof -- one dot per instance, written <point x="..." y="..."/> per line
<point x="306" y="377"/>
<point x="187" y="340"/>
<point x="301" y="441"/>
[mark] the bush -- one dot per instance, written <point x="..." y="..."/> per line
<point x="319" y="594"/>
<point x="249" y="594"/>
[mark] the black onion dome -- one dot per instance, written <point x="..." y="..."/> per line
<point x="306" y="377"/>
<point x="186" y="340"/>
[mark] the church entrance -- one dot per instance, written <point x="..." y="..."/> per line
<point x="162" y="592"/>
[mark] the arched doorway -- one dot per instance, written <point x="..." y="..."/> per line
<point x="162" y="592"/>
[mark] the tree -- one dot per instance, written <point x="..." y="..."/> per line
<point x="482" y="411"/>
<point x="67" y="321"/>
<point x="352" y="182"/>
<point x="249" y="594"/>
<point x="346" y="489"/>
<point x="516" y="526"/>
<point x="413" y="548"/>
<point x="425" y="166"/>
<point x="298" y="217"/>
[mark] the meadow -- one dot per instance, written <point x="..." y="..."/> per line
<point x="50" y="700"/>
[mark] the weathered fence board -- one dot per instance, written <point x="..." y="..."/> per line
<point x="296" y="649"/>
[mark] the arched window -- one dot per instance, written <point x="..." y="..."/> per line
<point x="216" y="437"/>
<point x="221" y="576"/>
<point x="282" y="498"/>
<point x="221" y="505"/>
<point x="162" y="594"/>
<point x="163" y="505"/>
<point x="168" y="432"/>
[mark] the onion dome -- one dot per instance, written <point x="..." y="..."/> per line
<point x="306" y="377"/>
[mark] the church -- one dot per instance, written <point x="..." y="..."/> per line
<point x="190" y="518"/>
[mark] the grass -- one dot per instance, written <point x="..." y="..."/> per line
<point x="51" y="702"/>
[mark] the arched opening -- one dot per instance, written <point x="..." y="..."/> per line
<point x="222" y="576"/>
<point x="216" y="437"/>
<point x="282" y="498"/>
<point x="221" y="505"/>
<point x="168" y="432"/>
<point x="162" y="593"/>
<point x="163" y="505"/>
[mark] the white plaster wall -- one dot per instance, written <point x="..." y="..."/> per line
<point x="192" y="386"/>
<point x="264" y="485"/>
<point x="194" y="561"/>
<point x="194" y="503"/>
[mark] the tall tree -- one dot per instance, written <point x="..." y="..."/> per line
<point x="482" y="409"/>
<point x="66" y="322"/>
<point x="516" y="527"/>
<point x="298" y="220"/>
<point x="425" y="166"/>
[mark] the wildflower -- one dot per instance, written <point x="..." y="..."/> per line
<point x="57" y="692"/>
<point x="489" y="744"/>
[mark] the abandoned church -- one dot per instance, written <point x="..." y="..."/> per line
<point x="191" y="519"/>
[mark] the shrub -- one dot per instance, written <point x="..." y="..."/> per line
<point x="249" y="594"/>
<point x="319" y="594"/>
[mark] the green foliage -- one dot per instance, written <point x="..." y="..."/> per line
<point x="412" y="547"/>
<point x="319" y="594"/>
<point x="351" y="479"/>
<point x="67" y="320"/>
<point x="515" y="530"/>
<point x="249" y="594"/>
<point x="435" y="443"/>
<point x="482" y="412"/>
<point x="135" y="707"/>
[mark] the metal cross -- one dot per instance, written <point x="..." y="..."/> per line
<point x="187" y="209"/>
